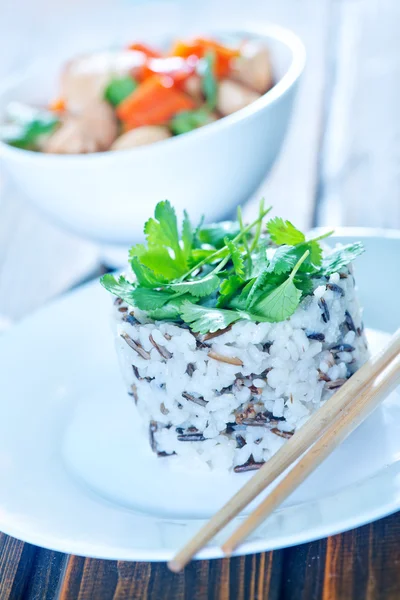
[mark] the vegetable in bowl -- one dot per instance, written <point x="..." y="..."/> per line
<point x="136" y="96"/>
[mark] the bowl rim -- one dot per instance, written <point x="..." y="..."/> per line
<point x="268" y="30"/>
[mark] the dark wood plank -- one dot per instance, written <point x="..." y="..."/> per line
<point x="16" y="559"/>
<point x="254" y="577"/>
<point x="28" y="572"/>
<point x="46" y="572"/>
<point x="362" y="564"/>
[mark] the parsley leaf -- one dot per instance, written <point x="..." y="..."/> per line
<point x="200" y="287"/>
<point x="216" y="233"/>
<point x="146" y="299"/>
<point x="283" y="260"/>
<point x="281" y="303"/>
<point x="315" y="253"/>
<point x="187" y="235"/>
<point x="164" y="255"/>
<point x="163" y="230"/>
<point x="263" y="284"/>
<point x="283" y="232"/>
<point x="119" y="287"/>
<point x="228" y="288"/>
<point x="238" y="263"/>
<point x="144" y="275"/>
<point x="170" y="311"/>
<point x="158" y="260"/>
<point x="340" y="257"/>
<point x="215" y="275"/>
<point x="207" y="320"/>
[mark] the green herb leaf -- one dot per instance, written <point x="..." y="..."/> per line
<point x="164" y="255"/>
<point x="283" y="232"/>
<point x="283" y="301"/>
<point x="263" y="285"/>
<point x="216" y="233"/>
<point x="209" y="81"/>
<point x="279" y="304"/>
<point x="147" y="299"/>
<point x="119" y="88"/>
<point x="188" y="120"/>
<point x="187" y="235"/>
<point x="229" y="287"/>
<point x="315" y="253"/>
<point x="144" y="276"/>
<point x="340" y="257"/>
<point x="199" y="288"/>
<point x="283" y="260"/>
<point x="28" y="126"/>
<point x="170" y="311"/>
<point x="159" y="261"/>
<point x="304" y="283"/>
<point x="238" y="262"/>
<point x="163" y="230"/>
<point x="207" y="320"/>
<point x="119" y="287"/>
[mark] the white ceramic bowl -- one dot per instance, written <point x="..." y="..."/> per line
<point x="108" y="196"/>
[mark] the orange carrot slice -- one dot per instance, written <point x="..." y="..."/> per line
<point x="200" y="46"/>
<point x="147" y="50"/>
<point x="154" y="102"/>
<point x="58" y="105"/>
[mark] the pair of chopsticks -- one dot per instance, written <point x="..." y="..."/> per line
<point x="317" y="438"/>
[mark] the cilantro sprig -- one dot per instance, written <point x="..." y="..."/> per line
<point x="211" y="276"/>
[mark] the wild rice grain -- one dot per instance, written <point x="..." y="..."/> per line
<point x="135" y="346"/>
<point x="152" y="430"/>
<point x="335" y="288"/>
<point x="349" y="321"/>
<point x="325" y="310"/>
<point x="210" y="336"/>
<point x="333" y="385"/>
<point x="342" y="348"/>
<point x="240" y="441"/>
<point x="315" y="336"/>
<point x="131" y="319"/>
<point x="190" y="369"/>
<point x="231" y="360"/>
<point x="160" y="349"/>
<point x="191" y="437"/>
<point x="282" y="434"/>
<point x="250" y="465"/>
<point x="200" y="401"/>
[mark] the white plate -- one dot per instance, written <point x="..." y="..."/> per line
<point x="77" y="474"/>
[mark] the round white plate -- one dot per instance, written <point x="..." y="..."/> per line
<point x="76" y="471"/>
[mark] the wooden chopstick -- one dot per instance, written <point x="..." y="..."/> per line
<point x="291" y="451"/>
<point x="355" y="413"/>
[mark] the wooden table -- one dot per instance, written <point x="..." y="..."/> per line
<point x="340" y="166"/>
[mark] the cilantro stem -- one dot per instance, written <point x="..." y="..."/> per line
<point x="221" y="265"/>
<point x="320" y="237"/>
<point x="259" y="227"/>
<point x="217" y="253"/>
<point x="298" y="264"/>
<point x="245" y="242"/>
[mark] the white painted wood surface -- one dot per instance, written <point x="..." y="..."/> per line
<point x="351" y="85"/>
<point x="361" y="152"/>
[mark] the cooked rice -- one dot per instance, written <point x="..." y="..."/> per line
<point x="231" y="400"/>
